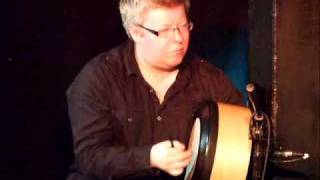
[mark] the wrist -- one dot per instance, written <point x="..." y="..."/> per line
<point x="152" y="160"/>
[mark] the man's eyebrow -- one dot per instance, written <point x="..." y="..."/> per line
<point x="165" y="25"/>
<point x="170" y="25"/>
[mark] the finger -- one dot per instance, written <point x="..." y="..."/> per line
<point x="166" y="143"/>
<point x="176" y="172"/>
<point x="179" y="145"/>
<point x="178" y="155"/>
<point x="180" y="164"/>
<point x="183" y="160"/>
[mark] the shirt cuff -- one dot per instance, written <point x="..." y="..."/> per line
<point x="142" y="157"/>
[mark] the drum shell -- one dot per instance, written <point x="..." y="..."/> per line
<point x="220" y="143"/>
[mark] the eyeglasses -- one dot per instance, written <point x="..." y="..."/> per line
<point x="168" y="32"/>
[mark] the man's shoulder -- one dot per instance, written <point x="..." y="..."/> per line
<point x="213" y="79"/>
<point x="101" y="69"/>
<point x="103" y="65"/>
<point x="110" y="57"/>
<point x="109" y="61"/>
<point x="203" y="67"/>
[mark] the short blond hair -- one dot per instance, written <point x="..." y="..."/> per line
<point x="132" y="10"/>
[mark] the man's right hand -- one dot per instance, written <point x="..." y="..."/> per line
<point x="170" y="159"/>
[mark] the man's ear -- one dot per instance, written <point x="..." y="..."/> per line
<point x="136" y="33"/>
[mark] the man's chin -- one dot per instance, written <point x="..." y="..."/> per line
<point x="174" y="64"/>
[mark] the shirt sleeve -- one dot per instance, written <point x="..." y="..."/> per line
<point x="93" y="134"/>
<point x="218" y="85"/>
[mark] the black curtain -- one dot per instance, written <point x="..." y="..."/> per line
<point x="284" y="58"/>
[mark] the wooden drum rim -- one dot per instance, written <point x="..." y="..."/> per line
<point x="207" y="144"/>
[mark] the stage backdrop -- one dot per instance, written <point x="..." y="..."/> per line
<point x="297" y="81"/>
<point x="284" y="57"/>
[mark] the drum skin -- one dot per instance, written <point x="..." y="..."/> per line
<point x="220" y="143"/>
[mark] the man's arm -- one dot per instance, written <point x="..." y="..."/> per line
<point x="96" y="153"/>
<point x="218" y="85"/>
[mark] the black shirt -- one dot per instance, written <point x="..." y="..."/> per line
<point x="116" y="116"/>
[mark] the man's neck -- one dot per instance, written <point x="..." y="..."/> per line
<point x="154" y="72"/>
<point x="160" y="80"/>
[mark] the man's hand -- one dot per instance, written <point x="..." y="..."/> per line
<point x="170" y="159"/>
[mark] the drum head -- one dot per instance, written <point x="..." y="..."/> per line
<point x="203" y="141"/>
<point x="194" y="145"/>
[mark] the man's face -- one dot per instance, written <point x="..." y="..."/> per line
<point x="165" y="51"/>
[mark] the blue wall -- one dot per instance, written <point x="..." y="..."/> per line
<point x="227" y="48"/>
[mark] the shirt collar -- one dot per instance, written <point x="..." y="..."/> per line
<point x="129" y="59"/>
<point x="184" y="74"/>
<point x="132" y="68"/>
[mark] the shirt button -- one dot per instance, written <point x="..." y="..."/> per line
<point x="159" y="118"/>
<point x="129" y="119"/>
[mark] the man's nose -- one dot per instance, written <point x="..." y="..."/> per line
<point x="177" y="35"/>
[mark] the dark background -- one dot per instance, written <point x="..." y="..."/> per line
<point x="298" y="82"/>
<point x="44" y="44"/>
<point x="284" y="37"/>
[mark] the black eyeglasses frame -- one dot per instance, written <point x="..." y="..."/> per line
<point x="156" y="33"/>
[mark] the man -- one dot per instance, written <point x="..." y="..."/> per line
<point x="131" y="108"/>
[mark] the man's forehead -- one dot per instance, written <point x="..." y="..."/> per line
<point x="166" y="16"/>
<point x="163" y="3"/>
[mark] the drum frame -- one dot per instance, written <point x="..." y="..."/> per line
<point x="224" y="154"/>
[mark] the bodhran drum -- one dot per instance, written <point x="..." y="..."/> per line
<point x="220" y="143"/>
